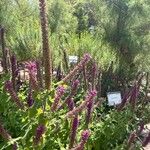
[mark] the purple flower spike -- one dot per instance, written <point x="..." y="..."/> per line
<point x="39" y="133"/>
<point x="85" y="135"/>
<point x="9" y="88"/>
<point x="90" y="106"/>
<point x="71" y="104"/>
<point x="77" y="110"/>
<point x="93" y="93"/>
<point x="89" y="112"/>
<point x="30" y="100"/>
<point x="74" y="127"/>
<point x="59" y="93"/>
<point x="74" y="88"/>
<point x="78" y="67"/>
<point x="31" y="66"/>
<point x="87" y="57"/>
<point x="75" y="84"/>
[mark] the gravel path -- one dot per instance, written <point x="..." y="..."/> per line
<point x="147" y="147"/>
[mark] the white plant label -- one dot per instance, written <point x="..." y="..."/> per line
<point x="114" y="98"/>
<point x="73" y="59"/>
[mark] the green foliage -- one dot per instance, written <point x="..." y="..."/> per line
<point x="109" y="128"/>
<point x="61" y="20"/>
<point x="112" y="130"/>
<point x="115" y="33"/>
<point x="119" y="29"/>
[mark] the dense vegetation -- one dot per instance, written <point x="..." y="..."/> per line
<point x="69" y="109"/>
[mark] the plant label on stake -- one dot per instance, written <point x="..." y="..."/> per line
<point x="114" y="98"/>
<point x="73" y="59"/>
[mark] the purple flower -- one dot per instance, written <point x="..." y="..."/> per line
<point x="30" y="100"/>
<point x="87" y="57"/>
<point x="59" y="73"/>
<point x="71" y="104"/>
<point x="39" y="133"/>
<point x="74" y="88"/>
<point x="75" y="85"/>
<point x="89" y="111"/>
<point x="84" y="137"/>
<point x="77" y="110"/>
<point x="74" y="127"/>
<point x="31" y="66"/>
<point x="78" y="67"/>
<point x="59" y="93"/>
<point x="92" y="93"/>
<point x="9" y="88"/>
<point x="146" y="140"/>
